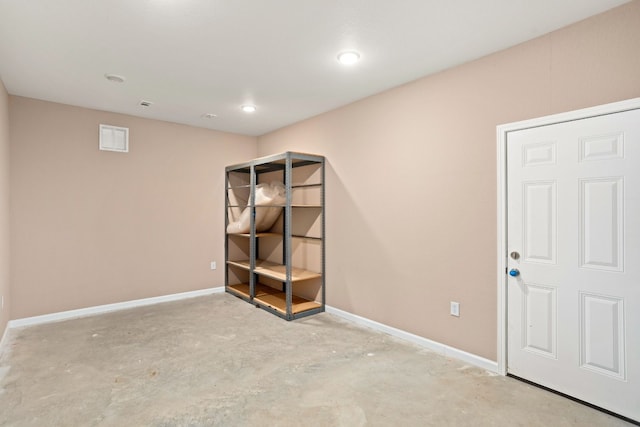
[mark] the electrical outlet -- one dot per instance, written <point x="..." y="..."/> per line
<point x="213" y="265"/>
<point x="455" y="308"/>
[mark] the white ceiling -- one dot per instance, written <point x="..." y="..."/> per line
<point x="191" y="57"/>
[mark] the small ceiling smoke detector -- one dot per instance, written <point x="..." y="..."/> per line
<point x="248" y="108"/>
<point x="348" y="57"/>
<point x="114" y="78"/>
<point x="209" y="116"/>
<point x="145" y="104"/>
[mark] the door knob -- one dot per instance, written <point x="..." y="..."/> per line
<point x="514" y="272"/>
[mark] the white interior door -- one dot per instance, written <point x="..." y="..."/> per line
<point x="573" y="212"/>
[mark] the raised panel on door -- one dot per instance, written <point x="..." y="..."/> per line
<point x="539" y="221"/>
<point x="539" y="324"/>
<point x="602" y="147"/>
<point x="602" y="223"/>
<point x="539" y="154"/>
<point x="602" y="340"/>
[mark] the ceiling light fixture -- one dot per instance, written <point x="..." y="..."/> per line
<point x="348" y="57"/>
<point x="248" y="108"/>
<point x="114" y="78"/>
<point x="209" y="116"/>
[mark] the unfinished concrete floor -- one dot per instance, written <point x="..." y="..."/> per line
<point x="218" y="361"/>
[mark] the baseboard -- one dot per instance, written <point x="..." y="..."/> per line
<point x="101" y="309"/>
<point x="434" y="346"/>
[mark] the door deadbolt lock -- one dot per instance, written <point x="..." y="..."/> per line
<point x="515" y="255"/>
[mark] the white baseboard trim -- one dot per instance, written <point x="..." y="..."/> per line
<point x="434" y="346"/>
<point x="107" y="308"/>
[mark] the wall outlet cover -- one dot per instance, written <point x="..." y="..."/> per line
<point x="455" y="308"/>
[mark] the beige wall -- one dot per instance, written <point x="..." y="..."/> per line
<point x="4" y="207"/>
<point x="411" y="179"/>
<point x="91" y="227"/>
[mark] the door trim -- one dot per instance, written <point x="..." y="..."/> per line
<point x="502" y="134"/>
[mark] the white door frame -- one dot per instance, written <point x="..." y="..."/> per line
<point x="502" y="133"/>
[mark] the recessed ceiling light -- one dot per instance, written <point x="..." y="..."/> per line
<point x="209" y="116"/>
<point x="114" y="78"/>
<point x="348" y="57"/>
<point x="248" y="108"/>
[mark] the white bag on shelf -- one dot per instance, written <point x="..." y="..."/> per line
<point x="269" y="200"/>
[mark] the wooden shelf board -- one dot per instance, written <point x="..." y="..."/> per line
<point x="242" y="289"/>
<point x="242" y="264"/>
<point x="276" y="271"/>
<point x="302" y="185"/>
<point x="257" y="234"/>
<point x="295" y="236"/>
<point x="293" y="205"/>
<point x="278" y="302"/>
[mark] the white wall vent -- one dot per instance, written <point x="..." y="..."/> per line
<point x="114" y="138"/>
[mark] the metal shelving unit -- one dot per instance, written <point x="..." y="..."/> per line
<point x="281" y="270"/>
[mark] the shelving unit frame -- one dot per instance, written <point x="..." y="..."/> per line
<point x="282" y="303"/>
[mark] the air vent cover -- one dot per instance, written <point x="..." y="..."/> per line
<point x="114" y="138"/>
